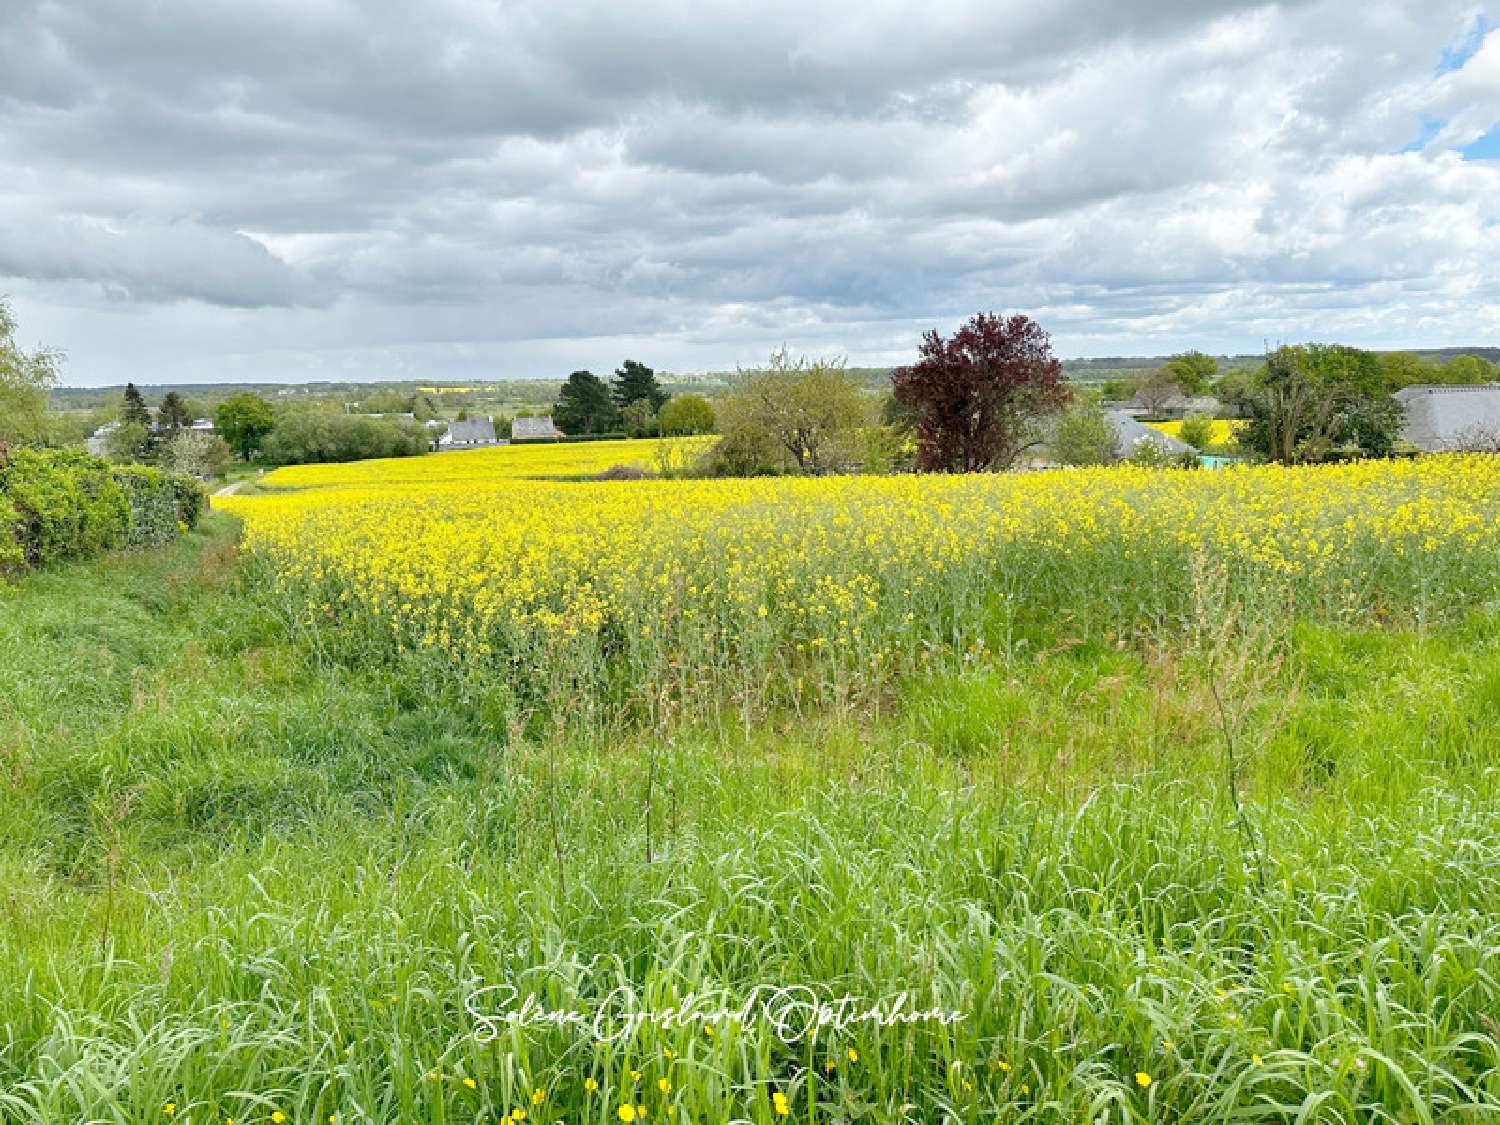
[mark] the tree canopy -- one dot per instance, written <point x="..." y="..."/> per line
<point x="635" y="382"/>
<point x="686" y="414"/>
<point x="243" y="420"/>
<point x="25" y="379"/>
<point x="976" y="398"/>
<point x="1311" y="399"/>
<point x="810" y="409"/>
<point x="1192" y="371"/>
<point x="584" y="406"/>
<point x="173" y="415"/>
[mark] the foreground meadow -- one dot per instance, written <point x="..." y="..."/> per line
<point x="1175" y="791"/>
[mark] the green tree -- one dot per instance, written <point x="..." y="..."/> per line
<point x="1154" y="390"/>
<point x="128" y="441"/>
<point x="584" y="405"/>
<point x="634" y="382"/>
<point x="1402" y="369"/>
<point x="1193" y="371"/>
<point x="173" y="415"/>
<point x="1198" y="431"/>
<point x="1467" y="369"/>
<point x="812" y="410"/>
<point x="1310" y="399"/>
<point x="686" y="414"/>
<point x="133" y="408"/>
<point x="1084" y="435"/>
<point x="243" y="420"/>
<point x="25" y="380"/>
<point x="638" y="419"/>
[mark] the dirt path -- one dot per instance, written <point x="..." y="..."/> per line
<point x="229" y="489"/>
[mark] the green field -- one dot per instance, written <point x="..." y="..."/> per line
<point x="244" y="880"/>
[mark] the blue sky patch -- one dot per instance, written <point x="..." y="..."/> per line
<point x="1486" y="147"/>
<point x="1461" y="52"/>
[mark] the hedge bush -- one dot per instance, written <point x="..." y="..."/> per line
<point x="59" y="504"/>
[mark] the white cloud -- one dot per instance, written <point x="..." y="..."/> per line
<point x="319" y="188"/>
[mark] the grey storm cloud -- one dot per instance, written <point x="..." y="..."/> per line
<point x="471" y="188"/>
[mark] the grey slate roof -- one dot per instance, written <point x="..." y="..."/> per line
<point x="1446" y="418"/>
<point x="474" y="431"/>
<point x="1129" y="432"/>
<point x="534" y="428"/>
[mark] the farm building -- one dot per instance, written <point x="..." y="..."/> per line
<point x="469" y="434"/>
<point x="1446" y="418"/>
<point x="534" y="429"/>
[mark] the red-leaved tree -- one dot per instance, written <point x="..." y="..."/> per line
<point x="975" y="399"/>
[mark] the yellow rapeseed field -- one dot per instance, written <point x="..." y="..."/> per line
<point x="749" y="584"/>
<point x="1223" y="430"/>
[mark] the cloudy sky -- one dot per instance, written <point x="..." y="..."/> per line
<point x="200" y="190"/>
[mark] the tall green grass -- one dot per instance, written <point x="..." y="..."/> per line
<point x="241" y="880"/>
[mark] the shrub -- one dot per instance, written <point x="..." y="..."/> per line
<point x="1084" y="436"/>
<point x="66" y="504"/>
<point x="58" y="504"/>
<point x="153" y="505"/>
<point x="191" y="498"/>
<point x="1197" y="430"/>
<point x="12" y="556"/>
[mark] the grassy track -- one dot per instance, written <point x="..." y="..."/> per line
<point x="242" y="881"/>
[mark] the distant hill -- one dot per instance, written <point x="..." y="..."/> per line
<point x="510" y="394"/>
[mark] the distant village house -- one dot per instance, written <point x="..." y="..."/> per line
<point x="534" y="429"/>
<point x="471" y="433"/>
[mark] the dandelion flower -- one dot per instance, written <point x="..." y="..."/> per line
<point x="626" y="1112"/>
<point x="590" y="1084"/>
<point x="852" y="1055"/>
<point x="538" y="1096"/>
<point x="1254" y="1060"/>
<point x="779" y="1103"/>
<point x="664" y="1086"/>
<point x="170" y="1109"/>
<point x="470" y="1083"/>
<point x="278" y="1117"/>
<point x="1142" y="1079"/>
<point x="518" y="1114"/>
